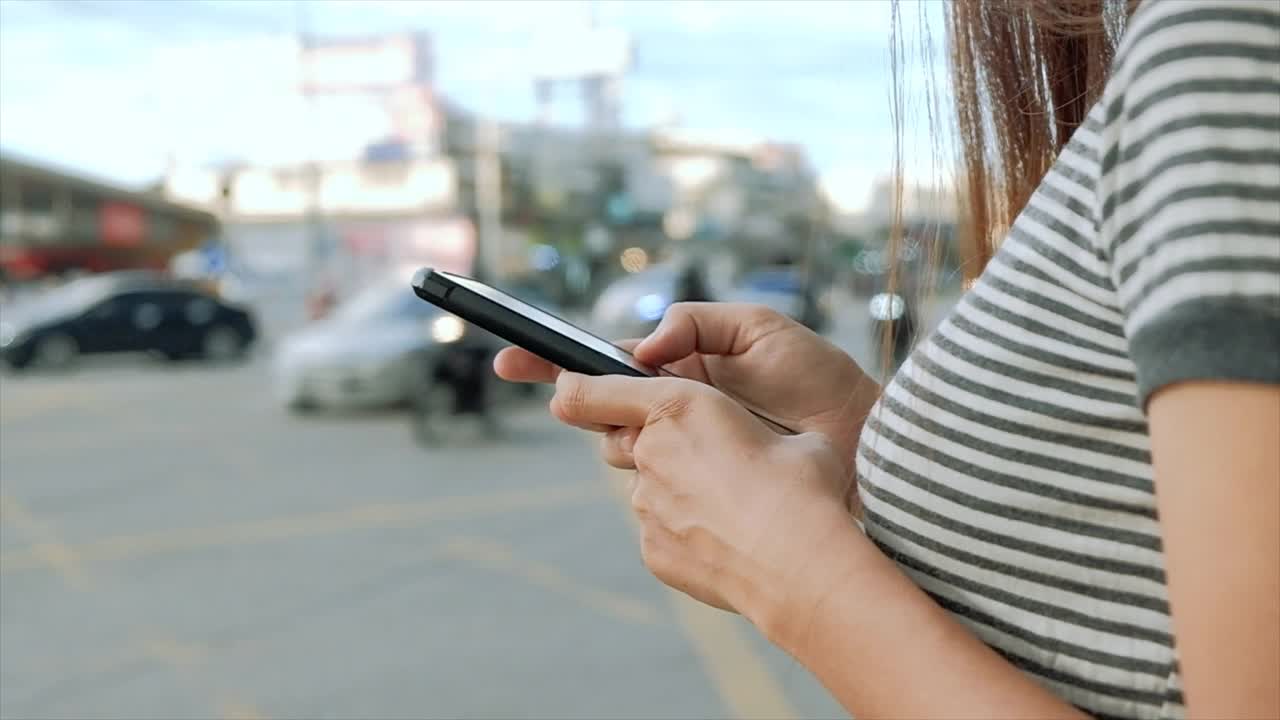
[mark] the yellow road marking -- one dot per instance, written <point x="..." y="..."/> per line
<point x="66" y="562"/>
<point x="498" y="557"/>
<point x="740" y="675"/>
<point x="403" y="515"/>
<point x="48" y="399"/>
<point x="46" y="550"/>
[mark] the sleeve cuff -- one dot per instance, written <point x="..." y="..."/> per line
<point x="1236" y="338"/>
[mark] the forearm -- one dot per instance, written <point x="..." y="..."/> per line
<point x="883" y="648"/>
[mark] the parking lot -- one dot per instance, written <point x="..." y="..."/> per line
<point x="173" y="545"/>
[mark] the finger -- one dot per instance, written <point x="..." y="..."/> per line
<point x="706" y="328"/>
<point x="617" y="448"/>
<point x="518" y="365"/>
<point x="619" y="400"/>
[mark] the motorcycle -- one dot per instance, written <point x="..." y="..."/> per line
<point x="893" y="320"/>
<point x="456" y="381"/>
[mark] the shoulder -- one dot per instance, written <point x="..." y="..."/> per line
<point x="1164" y="32"/>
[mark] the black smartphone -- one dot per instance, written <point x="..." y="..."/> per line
<point x="538" y="331"/>
<point x="522" y="324"/>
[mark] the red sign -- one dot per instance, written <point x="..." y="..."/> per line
<point x="122" y="224"/>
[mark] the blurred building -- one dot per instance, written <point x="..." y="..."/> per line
<point x="53" y="222"/>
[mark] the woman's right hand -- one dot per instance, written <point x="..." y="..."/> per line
<point x="761" y="358"/>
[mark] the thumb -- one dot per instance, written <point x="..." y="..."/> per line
<point x="703" y="327"/>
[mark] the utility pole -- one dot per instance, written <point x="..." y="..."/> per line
<point x="488" y="175"/>
<point x="314" y="238"/>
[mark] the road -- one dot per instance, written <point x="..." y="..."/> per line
<point x="172" y="545"/>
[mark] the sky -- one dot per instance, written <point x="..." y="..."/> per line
<point x="115" y="89"/>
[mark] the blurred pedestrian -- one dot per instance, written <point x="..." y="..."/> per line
<point x="1068" y="498"/>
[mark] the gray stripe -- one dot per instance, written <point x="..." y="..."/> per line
<point x="1097" y="591"/>
<point x="1093" y="622"/>
<point x="1009" y="512"/>
<point x="1057" y="226"/>
<point x="1229" y="264"/>
<point x="1092" y="124"/>
<point x="1216" y="191"/>
<point x="1067" y="440"/>
<point x="1269" y="157"/>
<point x="1139" y="31"/>
<point x="1011" y="260"/>
<point x="1032" y="667"/>
<point x="1056" y="646"/>
<point x="1021" y="544"/>
<point x="1021" y="402"/>
<point x="1053" y="306"/>
<point x="1222" y="85"/>
<point x="1205" y="51"/>
<point x="1063" y="361"/>
<point x="1205" y="121"/>
<point x="1255" y="228"/>
<point x="1077" y="176"/>
<point x="1082" y="390"/>
<point x="1039" y="328"/>
<point x="1051" y="191"/>
<point x="1025" y="457"/>
<point x="1043" y="247"/>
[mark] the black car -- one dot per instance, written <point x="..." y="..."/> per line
<point x="126" y="312"/>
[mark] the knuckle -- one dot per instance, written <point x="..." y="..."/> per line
<point x="673" y="406"/>
<point x="570" y="398"/>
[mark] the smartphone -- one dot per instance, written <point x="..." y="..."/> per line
<point x="522" y="324"/>
<point x="536" y="330"/>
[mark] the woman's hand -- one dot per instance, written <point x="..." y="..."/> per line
<point x="731" y="512"/>
<point x="764" y="360"/>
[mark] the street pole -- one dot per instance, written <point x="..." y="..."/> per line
<point x="314" y="228"/>
<point x="488" y="174"/>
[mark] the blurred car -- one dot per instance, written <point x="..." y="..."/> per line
<point x="372" y="350"/>
<point x="785" y="291"/>
<point x="131" y="311"/>
<point x="632" y="305"/>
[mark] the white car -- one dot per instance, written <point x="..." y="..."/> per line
<point x="368" y="353"/>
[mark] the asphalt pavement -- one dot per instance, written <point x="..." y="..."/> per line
<point x="173" y="545"/>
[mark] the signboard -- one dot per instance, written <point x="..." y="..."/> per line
<point x="377" y="64"/>
<point x="122" y="224"/>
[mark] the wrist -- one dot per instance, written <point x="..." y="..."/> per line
<point x="786" y="610"/>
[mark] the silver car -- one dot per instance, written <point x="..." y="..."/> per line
<point x="366" y="354"/>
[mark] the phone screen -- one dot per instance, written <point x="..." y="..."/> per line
<point x="546" y="319"/>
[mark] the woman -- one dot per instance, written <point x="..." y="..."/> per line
<point x="1078" y="467"/>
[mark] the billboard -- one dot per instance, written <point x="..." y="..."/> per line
<point x="366" y="65"/>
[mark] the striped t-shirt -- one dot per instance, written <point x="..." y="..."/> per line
<point x="1007" y="467"/>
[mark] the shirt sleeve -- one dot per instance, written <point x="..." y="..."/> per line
<point x="1189" y="193"/>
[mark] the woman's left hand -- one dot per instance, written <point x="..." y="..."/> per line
<point x="731" y="512"/>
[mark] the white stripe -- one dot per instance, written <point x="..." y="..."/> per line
<point x="1082" y="256"/>
<point x="1074" y="283"/>
<point x="1185" y="214"/>
<point x="988" y="406"/>
<point x="983" y="376"/>
<point x="1174" y="142"/>
<point x="1004" y="554"/>
<point x="1192" y="33"/>
<point x="1012" y="497"/>
<point x="1101" y="461"/>
<point x="1090" y="638"/>
<point x="1056" y="293"/>
<point x="1026" y="310"/>
<point x="1199" y="286"/>
<point x="1050" y="536"/>
<point x="1067" y="692"/>
<point x="1214" y="247"/>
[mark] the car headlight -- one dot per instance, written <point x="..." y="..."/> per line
<point x="651" y="307"/>
<point x="8" y="333"/>
<point x="447" y="329"/>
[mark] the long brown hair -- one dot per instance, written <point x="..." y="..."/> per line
<point x="1023" y="74"/>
